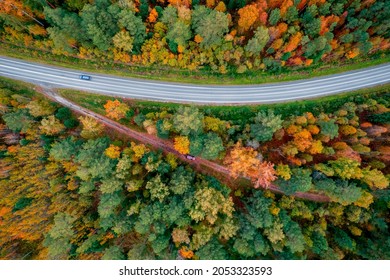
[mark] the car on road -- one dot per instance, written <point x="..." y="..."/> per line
<point x="85" y="77"/>
<point x="191" y="157"/>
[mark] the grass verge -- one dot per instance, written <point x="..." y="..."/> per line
<point x="202" y="76"/>
<point x="17" y="87"/>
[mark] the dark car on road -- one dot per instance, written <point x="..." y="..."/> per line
<point x="190" y="157"/>
<point x="85" y="77"/>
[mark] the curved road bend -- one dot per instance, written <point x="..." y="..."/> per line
<point x="189" y="93"/>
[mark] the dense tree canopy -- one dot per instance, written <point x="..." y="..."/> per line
<point x="69" y="193"/>
<point x="230" y="36"/>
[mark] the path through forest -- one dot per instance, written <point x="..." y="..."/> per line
<point x="165" y="145"/>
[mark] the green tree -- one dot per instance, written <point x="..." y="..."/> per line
<point x="381" y="118"/>
<point x="258" y="206"/>
<point x="169" y="16"/>
<point x="71" y="123"/>
<point x="76" y="5"/>
<point x="343" y="240"/>
<point x="158" y="189"/>
<point x="58" y="239"/>
<point x="92" y="161"/>
<point x="163" y="127"/>
<point x="113" y="253"/>
<point x="144" y="9"/>
<point x="213" y="146"/>
<point x="65" y="150"/>
<point x="196" y="144"/>
<point x="181" y="181"/>
<point x="188" y="120"/>
<point x="295" y="239"/>
<point x="320" y="244"/>
<point x="140" y="251"/>
<point x="19" y="121"/>
<point x="347" y="38"/>
<point x="329" y="128"/>
<point x="111" y="186"/>
<point x="90" y="244"/>
<point x="311" y="24"/>
<point x="100" y="22"/>
<point x="211" y="25"/>
<point x="291" y="15"/>
<point x="63" y="113"/>
<point x="300" y="181"/>
<point x="257" y="43"/>
<point x="213" y="250"/>
<point x="316" y="48"/>
<point x="274" y="16"/>
<point x="39" y="108"/>
<point x="135" y="27"/>
<point x="249" y="242"/>
<point x="108" y="204"/>
<point x="51" y="125"/>
<point x="179" y="33"/>
<point x="62" y="31"/>
<point x="340" y="191"/>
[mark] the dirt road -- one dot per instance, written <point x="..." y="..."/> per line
<point x="164" y="145"/>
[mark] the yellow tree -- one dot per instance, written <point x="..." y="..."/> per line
<point x="375" y="178"/>
<point x="284" y="171"/>
<point x="113" y="151"/>
<point x="137" y="151"/>
<point x="51" y="125"/>
<point x="182" y="144"/>
<point x="39" y="108"/>
<point x="213" y="124"/>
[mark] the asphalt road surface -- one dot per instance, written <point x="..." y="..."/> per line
<point x="167" y="146"/>
<point x="46" y="75"/>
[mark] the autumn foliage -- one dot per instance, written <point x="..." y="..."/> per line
<point x="163" y="33"/>
<point x="182" y="144"/>
<point x="116" y="109"/>
<point x="112" y="152"/>
<point x="72" y="193"/>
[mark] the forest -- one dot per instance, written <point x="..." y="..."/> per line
<point x="230" y="36"/>
<point x="70" y="189"/>
<point x="285" y="145"/>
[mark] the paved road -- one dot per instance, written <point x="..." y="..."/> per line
<point x="174" y="92"/>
